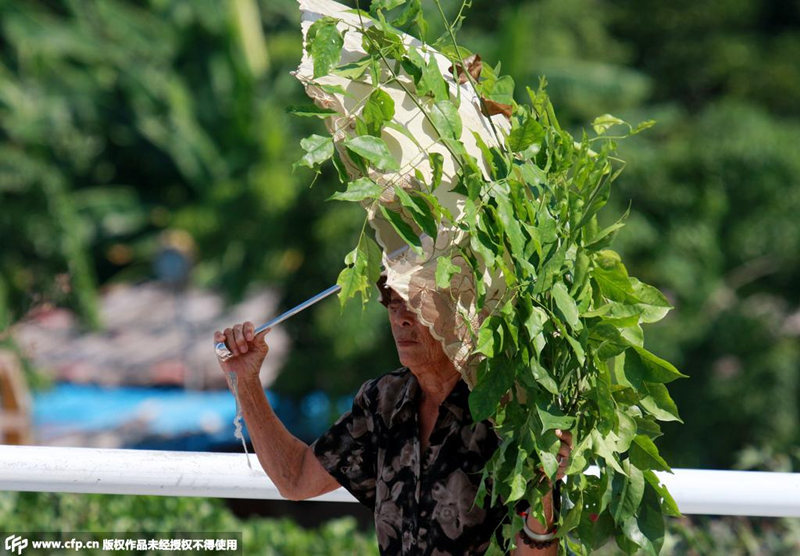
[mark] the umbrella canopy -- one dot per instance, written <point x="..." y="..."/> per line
<point x="421" y="148"/>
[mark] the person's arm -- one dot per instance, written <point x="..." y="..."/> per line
<point x="288" y="461"/>
<point x="538" y="528"/>
<point x="532" y="523"/>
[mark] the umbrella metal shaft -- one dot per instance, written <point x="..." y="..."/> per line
<point x="224" y="353"/>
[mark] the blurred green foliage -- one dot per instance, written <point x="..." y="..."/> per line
<point x="120" y="120"/>
<point x="158" y="515"/>
<point x="99" y="513"/>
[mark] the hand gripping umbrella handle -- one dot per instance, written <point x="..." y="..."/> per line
<point x="224" y="353"/>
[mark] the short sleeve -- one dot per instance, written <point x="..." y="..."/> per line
<point x="348" y="450"/>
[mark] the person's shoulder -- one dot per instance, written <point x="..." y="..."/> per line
<point x="393" y="382"/>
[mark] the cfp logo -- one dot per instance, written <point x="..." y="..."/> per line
<point x="15" y="543"/>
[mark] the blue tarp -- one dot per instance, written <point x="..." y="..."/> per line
<point x="147" y="414"/>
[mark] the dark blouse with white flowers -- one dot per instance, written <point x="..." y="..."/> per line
<point x="422" y="503"/>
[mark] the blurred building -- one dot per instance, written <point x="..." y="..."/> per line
<point x="150" y="377"/>
<point x="152" y="336"/>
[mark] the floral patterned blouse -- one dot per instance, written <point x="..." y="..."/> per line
<point x="423" y="503"/>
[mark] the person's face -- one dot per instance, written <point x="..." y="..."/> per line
<point x="417" y="348"/>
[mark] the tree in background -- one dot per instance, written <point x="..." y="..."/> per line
<point x="120" y="120"/>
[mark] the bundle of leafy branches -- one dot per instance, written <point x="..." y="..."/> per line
<point x="563" y="348"/>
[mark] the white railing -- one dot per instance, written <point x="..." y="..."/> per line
<point x="95" y="470"/>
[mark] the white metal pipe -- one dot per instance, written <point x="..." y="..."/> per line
<point x="161" y="473"/>
<point x="754" y="493"/>
<point x="95" y="470"/>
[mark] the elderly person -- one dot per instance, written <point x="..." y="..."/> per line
<point x="408" y="449"/>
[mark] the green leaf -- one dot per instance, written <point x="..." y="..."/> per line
<point x="626" y="431"/>
<point x="445" y="269"/>
<point x="358" y="190"/>
<point x="648" y="426"/>
<point x="353" y="70"/>
<point x="519" y="482"/>
<point x="374" y="150"/>
<point x="644" y="454"/>
<point x="572" y="516"/>
<point x="595" y="528"/>
<point x="542" y="377"/>
<point x="547" y="446"/>
<point x="535" y="320"/>
<point x="524" y="134"/>
<point x="413" y="63"/>
<point x="595" y="240"/>
<point x="318" y="150"/>
<point x="387" y="5"/>
<point x="602" y="123"/>
<point x="511" y="226"/>
<point x="617" y="315"/>
<point x="605" y="449"/>
<point x="427" y="76"/>
<point x="341" y="169"/>
<point x="578" y="457"/>
<point x="627" y="493"/>
<point x="378" y="109"/>
<point x="658" y="403"/>
<point x="518" y="486"/>
<point x="402" y="228"/>
<point x="497" y="164"/>
<point x="566" y="305"/>
<point x="362" y="270"/>
<point x="374" y="258"/>
<point x="495" y="377"/>
<point x="413" y="16"/>
<point x="311" y="111"/>
<point x="437" y="163"/>
<point x="551" y="270"/>
<point x="380" y="40"/>
<point x="644" y="532"/>
<point x="490" y="337"/>
<point x="552" y="417"/>
<point x="650" y="522"/>
<point x="606" y="409"/>
<point x="668" y="504"/>
<point x="324" y="43"/>
<point x="353" y="278"/>
<point x="641" y="365"/>
<point x="419" y="210"/>
<point x="612" y="278"/>
<point x="577" y="348"/>
<point x="634" y="335"/>
<point x="333" y="89"/>
<point x="446" y="119"/>
<point x="607" y="340"/>
<point x="499" y="90"/>
<point x="654" y="306"/>
<point x="404" y="131"/>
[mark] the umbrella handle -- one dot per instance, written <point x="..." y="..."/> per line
<point x="222" y="351"/>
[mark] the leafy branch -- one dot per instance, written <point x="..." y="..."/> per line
<point x="561" y="345"/>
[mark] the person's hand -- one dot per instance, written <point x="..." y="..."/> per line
<point x="563" y="452"/>
<point x="248" y="349"/>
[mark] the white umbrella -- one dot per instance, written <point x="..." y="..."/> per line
<point x="414" y="143"/>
